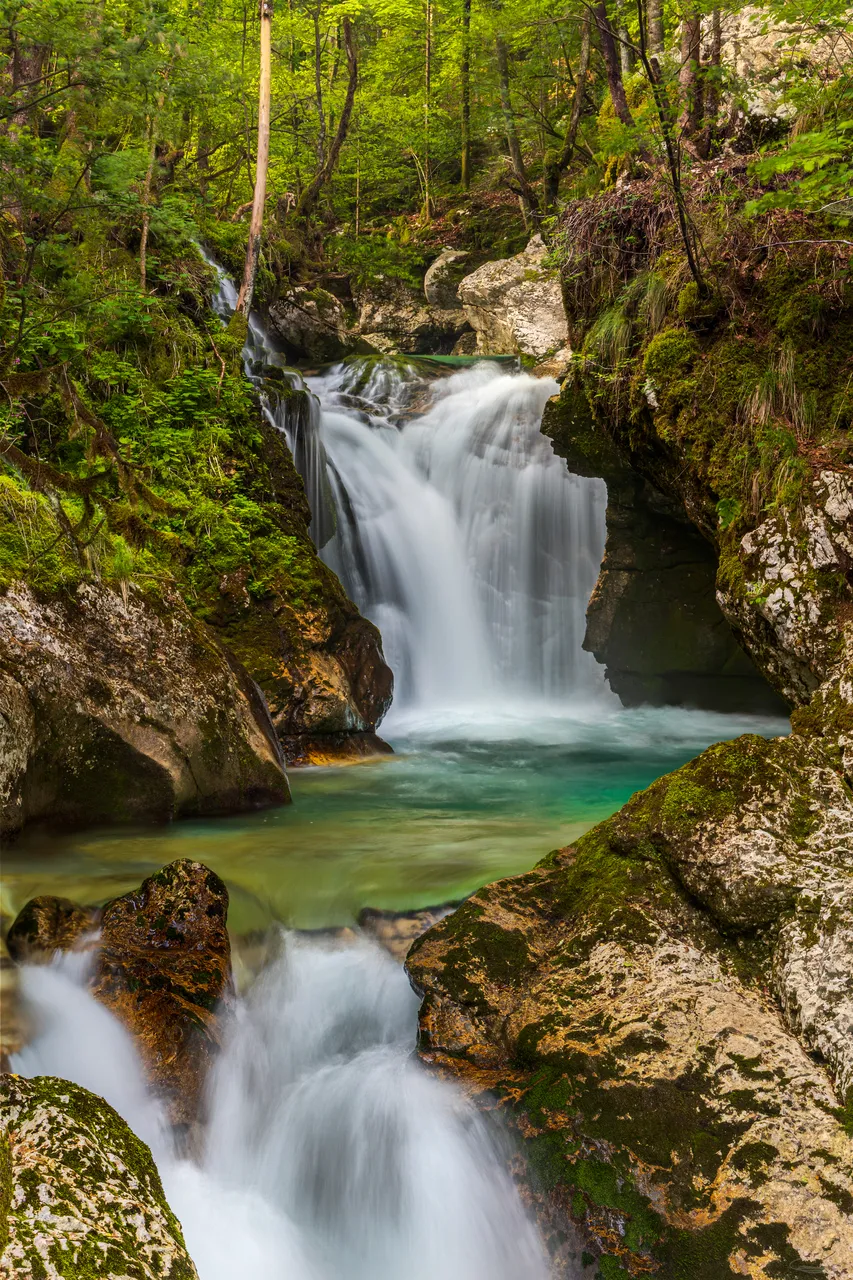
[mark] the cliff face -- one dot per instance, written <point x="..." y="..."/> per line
<point x="664" y="1009"/>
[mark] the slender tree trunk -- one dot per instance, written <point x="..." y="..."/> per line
<point x="626" y="53"/>
<point x="711" y="88"/>
<point x="612" y="65"/>
<point x="146" y="206"/>
<point x="253" y="249"/>
<point x="689" y="77"/>
<point x="309" y="196"/>
<point x="427" y="105"/>
<point x="318" y="92"/>
<point x="525" y="192"/>
<point x="672" y="153"/>
<point x="555" y="171"/>
<point x="654" y="12"/>
<point x="466" y="94"/>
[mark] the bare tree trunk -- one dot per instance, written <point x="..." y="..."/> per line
<point x="466" y="94"/>
<point x="612" y="65"/>
<point x="146" y="206"/>
<point x="689" y="77"/>
<point x="626" y="53"/>
<point x="253" y="249"/>
<point x="654" y="12"/>
<point x="525" y="192"/>
<point x="318" y="93"/>
<point x="309" y="196"/>
<point x="555" y="171"/>
<point x="427" y="104"/>
<point x="711" y="87"/>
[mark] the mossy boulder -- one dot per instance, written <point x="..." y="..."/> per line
<point x="630" y="1003"/>
<point x="47" y="924"/>
<point x="80" y="1195"/>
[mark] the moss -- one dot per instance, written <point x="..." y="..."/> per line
<point x="5" y="1187"/>
<point x="669" y="354"/>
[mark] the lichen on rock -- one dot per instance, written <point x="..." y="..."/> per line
<point x="80" y="1195"/>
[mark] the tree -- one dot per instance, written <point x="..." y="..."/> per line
<point x="253" y="249"/>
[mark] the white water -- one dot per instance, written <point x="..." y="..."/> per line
<point x="450" y="521"/>
<point x="331" y="1154"/>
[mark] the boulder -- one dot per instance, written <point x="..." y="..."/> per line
<point x="515" y="305"/>
<point x="164" y="969"/>
<point x="393" y="318"/>
<point x="80" y="1194"/>
<point x="663" y="1010"/>
<point x="312" y="324"/>
<point x="123" y="708"/>
<point x="442" y="280"/>
<point x="397" y="930"/>
<point x="47" y="924"/>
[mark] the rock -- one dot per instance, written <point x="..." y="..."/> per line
<point x="515" y="305"/>
<point x="80" y="1194"/>
<point x="132" y="711"/>
<point x="311" y="323"/>
<point x="619" y="999"/>
<point x="47" y="924"/>
<point x="654" y="621"/>
<point x="331" y="748"/>
<point x="397" y="930"/>
<point x="164" y="969"/>
<point x="13" y="1024"/>
<point x="393" y="318"/>
<point x="442" y="280"/>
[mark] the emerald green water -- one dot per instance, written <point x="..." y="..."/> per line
<point x="461" y="803"/>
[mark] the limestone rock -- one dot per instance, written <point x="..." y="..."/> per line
<point x="47" y="924"/>
<point x="312" y="323"/>
<point x="79" y="1193"/>
<point x="393" y="318"/>
<point x="132" y="711"/>
<point x="164" y="969"/>
<point x="619" y="999"/>
<point x="442" y="280"/>
<point x="515" y="305"/>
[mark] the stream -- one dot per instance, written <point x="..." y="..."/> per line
<point x="329" y="1153"/>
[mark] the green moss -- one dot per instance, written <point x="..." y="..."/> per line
<point x="669" y="355"/>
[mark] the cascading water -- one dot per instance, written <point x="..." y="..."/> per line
<point x="449" y="520"/>
<point x="330" y="1153"/>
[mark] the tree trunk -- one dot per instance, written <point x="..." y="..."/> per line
<point x="626" y="53"/>
<point x="525" y="192"/>
<point x="654" y="14"/>
<point x="146" y="207"/>
<point x="427" y="103"/>
<point x="711" y="88"/>
<point x="253" y="249"/>
<point x="612" y="65"/>
<point x="309" y="196"/>
<point x="555" y="170"/>
<point x="318" y="93"/>
<point x="689" y="76"/>
<point x="466" y="94"/>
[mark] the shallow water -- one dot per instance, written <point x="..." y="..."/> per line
<point x="469" y="797"/>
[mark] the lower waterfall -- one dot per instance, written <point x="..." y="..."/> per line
<point x="329" y="1153"/>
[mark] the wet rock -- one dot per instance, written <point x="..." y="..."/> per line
<point x="620" y="1000"/>
<point x="13" y="1028"/>
<point x="397" y="930"/>
<point x="80" y="1194"/>
<point x="164" y="969"/>
<point x="331" y="748"/>
<point x="442" y="280"/>
<point x="128" y="709"/>
<point x="515" y="305"/>
<point x="47" y="924"/>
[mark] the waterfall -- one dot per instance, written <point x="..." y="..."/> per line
<point x="448" y="518"/>
<point x="331" y="1154"/>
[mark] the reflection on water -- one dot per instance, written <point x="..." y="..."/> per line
<point x="468" y="798"/>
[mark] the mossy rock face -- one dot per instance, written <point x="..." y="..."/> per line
<point x="80" y="1195"/>
<point x="135" y="712"/>
<point x="667" y="1110"/>
<point x="164" y="969"/>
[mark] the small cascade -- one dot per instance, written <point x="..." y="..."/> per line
<point x="447" y="517"/>
<point x="330" y="1153"/>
